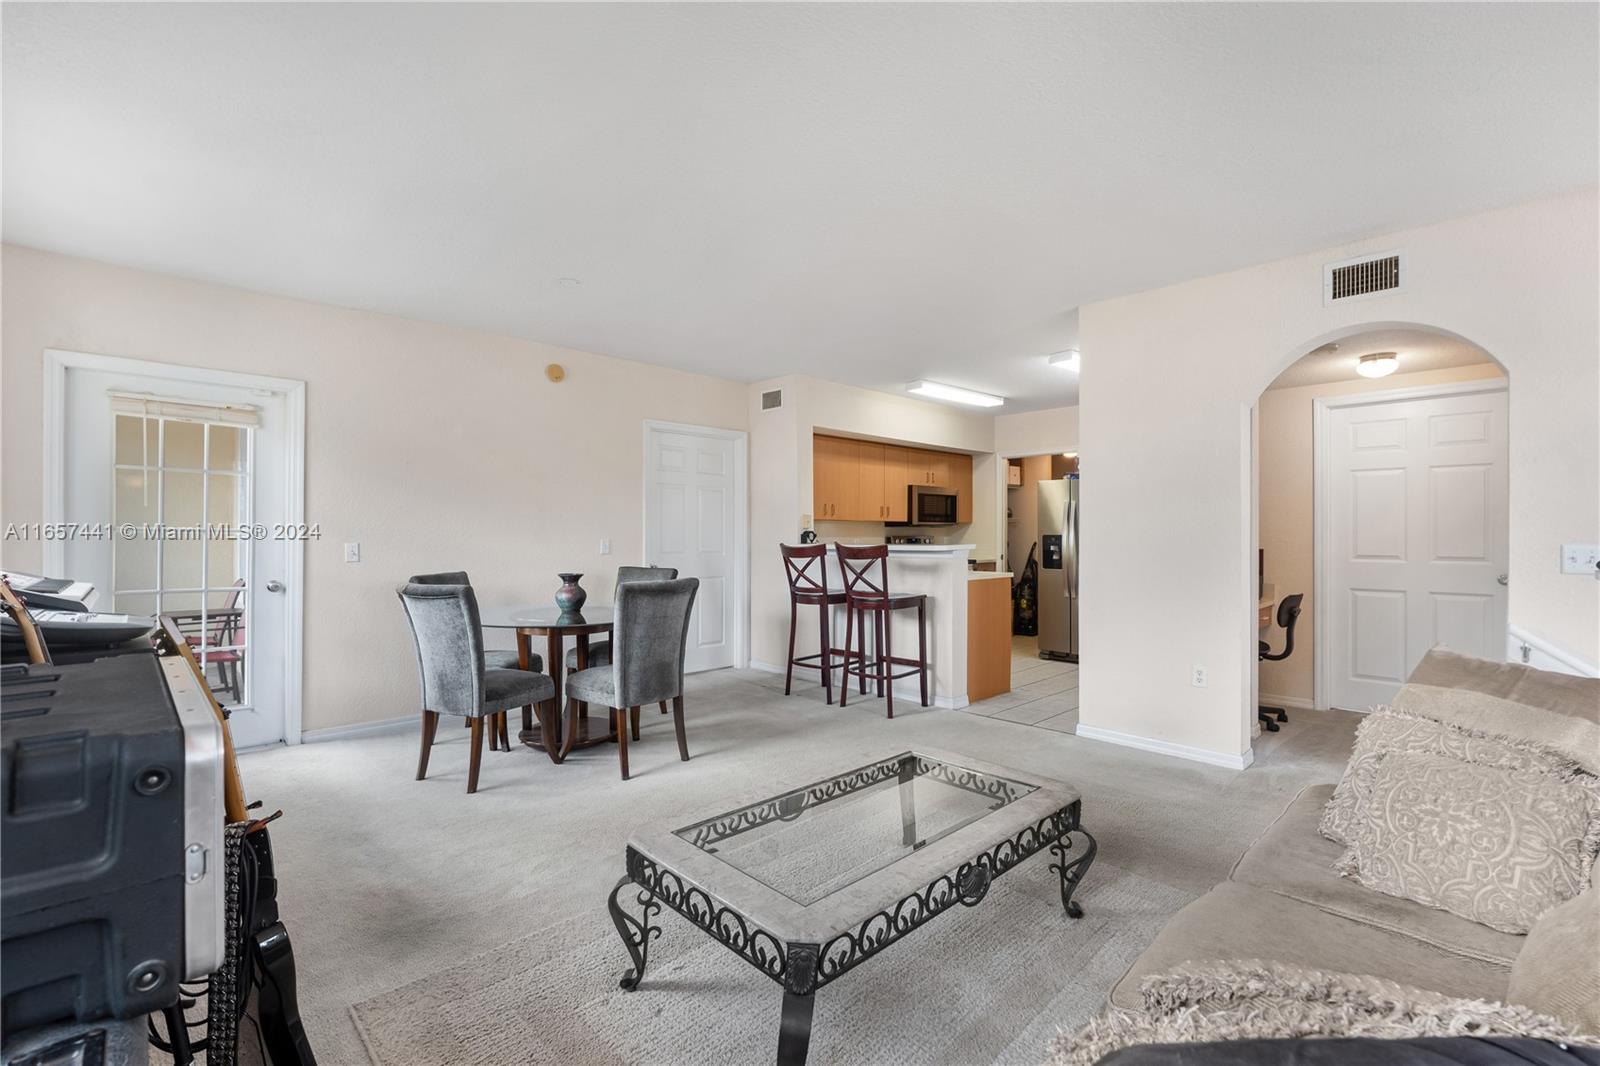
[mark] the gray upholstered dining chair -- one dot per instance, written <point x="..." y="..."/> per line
<point x="493" y="659"/>
<point x="444" y="622"/>
<point x="600" y="650"/>
<point x="649" y="638"/>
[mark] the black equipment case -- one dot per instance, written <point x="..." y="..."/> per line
<point x="111" y="844"/>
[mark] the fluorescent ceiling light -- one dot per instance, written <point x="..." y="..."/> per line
<point x="1378" y="364"/>
<point x="935" y="391"/>
<point x="1067" y="360"/>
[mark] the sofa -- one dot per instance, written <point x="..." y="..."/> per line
<point x="1285" y="904"/>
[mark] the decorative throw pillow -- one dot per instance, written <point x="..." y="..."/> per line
<point x="1244" y="1000"/>
<point x="1557" y="972"/>
<point x="1387" y="730"/>
<point x="1496" y="846"/>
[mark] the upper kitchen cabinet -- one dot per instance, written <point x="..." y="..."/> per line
<point x="930" y="468"/>
<point x="885" y="473"/>
<point x="865" y="481"/>
<point x="836" y="478"/>
<point x="961" y="481"/>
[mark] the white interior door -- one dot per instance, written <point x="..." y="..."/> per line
<point x="694" y="520"/>
<point x="1417" y="546"/>
<point x="191" y="479"/>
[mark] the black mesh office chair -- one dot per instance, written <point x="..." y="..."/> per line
<point x="1288" y="611"/>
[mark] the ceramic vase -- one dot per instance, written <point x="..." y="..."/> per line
<point x="570" y="596"/>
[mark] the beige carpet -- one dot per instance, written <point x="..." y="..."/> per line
<point x="434" y="927"/>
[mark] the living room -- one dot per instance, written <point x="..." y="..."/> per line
<point x="564" y="298"/>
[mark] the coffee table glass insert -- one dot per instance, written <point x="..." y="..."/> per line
<point x="810" y="842"/>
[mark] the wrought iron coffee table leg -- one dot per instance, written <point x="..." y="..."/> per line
<point x="1072" y="872"/>
<point x="794" y="1031"/>
<point x="636" y="933"/>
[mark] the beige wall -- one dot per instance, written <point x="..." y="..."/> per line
<point x="1169" y="380"/>
<point x="1284" y="427"/>
<point x="1037" y="432"/>
<point x="435" y="447"/>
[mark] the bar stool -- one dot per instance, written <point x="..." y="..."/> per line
<point x="863" y="594"/>
<point x="810" y="588"/>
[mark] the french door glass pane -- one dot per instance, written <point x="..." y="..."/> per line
<point x="189" y="481"/>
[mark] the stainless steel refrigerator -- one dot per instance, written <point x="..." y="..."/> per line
<point x="1058" y="569"/>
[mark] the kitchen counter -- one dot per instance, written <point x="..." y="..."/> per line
<point x="984" y="575"/>
<point x="938" y="571"/>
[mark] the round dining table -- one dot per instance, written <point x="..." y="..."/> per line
<point x="555" y="625"/>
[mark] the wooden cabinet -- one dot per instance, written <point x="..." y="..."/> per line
<point x="836" y="478"/>
<point x="884" y="475"/>
<point x="896" y="476"/>
<point x="864" y="481"/>
<point x="930" y="468"/>
<point x="961" y="481"/>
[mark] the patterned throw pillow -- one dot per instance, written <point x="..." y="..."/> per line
<point x="1494" y="845"/>
<point x="1386" y="731"/>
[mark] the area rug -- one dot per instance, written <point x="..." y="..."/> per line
<point x="992" y="983"/>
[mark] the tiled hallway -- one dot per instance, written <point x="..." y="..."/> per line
<point x="1043" y="692"/>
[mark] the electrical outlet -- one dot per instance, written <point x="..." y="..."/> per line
<point x="605" y="546"/>
<point x="1197" y="676"/>
<point x="1580" y="558"/>
<point x="352" y="552"/>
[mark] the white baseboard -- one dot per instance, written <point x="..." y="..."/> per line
<point x="361" y="729"/>
<point x="1288" y="703"/>
<point x="1524" y="647"/>
<point x="903" y="689"/>
<point x="1167" y="747"/>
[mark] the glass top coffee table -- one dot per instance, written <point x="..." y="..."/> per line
<point x="806" y="884"/>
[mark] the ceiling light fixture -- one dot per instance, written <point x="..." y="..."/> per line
<point x="935" y="391"/>
<point x="1067" y="360"/>
<point x="1378" y="364"/>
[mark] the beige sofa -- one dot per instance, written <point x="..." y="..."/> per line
<point x="1283" y="902"/>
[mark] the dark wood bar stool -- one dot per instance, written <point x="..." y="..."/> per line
<point x="806" y="566"/>
<point x="864" y="595"/>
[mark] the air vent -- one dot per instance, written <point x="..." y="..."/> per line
<point x="1368" y="276"/>
<point x="771" y="401"/>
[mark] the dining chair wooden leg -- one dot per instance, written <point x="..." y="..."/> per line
<point x="492" y="727"/>
<point x="677" y="725"/>
<point x="826" y="661"/>
<point x="430" y="722"/>
<point x="633" y="721"/>
<point x="476" y="725"/>
<point x="844" y="680"/>
<point x="922" y="648"/>
<point x="887" y="655"/>
<point x="621" y="719"/>
<point x="861" y="635"/>
<point x="505" y="731"/>
<point x="663" y="706"/>
<point x="788" y="666"/>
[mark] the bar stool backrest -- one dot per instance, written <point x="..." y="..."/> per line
<point x="798" y="561"/>
<point x="857" y="563"/>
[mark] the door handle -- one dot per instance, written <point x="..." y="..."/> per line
<point x="1504" y="579"/>
<point x="274" y="586"/>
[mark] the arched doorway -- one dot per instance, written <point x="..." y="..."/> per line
<point x="1380" y="499"/>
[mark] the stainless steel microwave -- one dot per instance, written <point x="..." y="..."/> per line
<point x="929" y="505"/>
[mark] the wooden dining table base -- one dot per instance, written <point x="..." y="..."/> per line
<point x="542" y="727"/>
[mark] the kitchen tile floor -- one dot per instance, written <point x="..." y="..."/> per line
<point x="1044" y="692"/>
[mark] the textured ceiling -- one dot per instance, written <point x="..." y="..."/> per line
<point x="867" y="193"/>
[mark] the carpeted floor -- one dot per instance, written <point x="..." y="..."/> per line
<point x="434" y="927"/>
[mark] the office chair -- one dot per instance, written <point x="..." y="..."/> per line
<point x="1288" y="611"/>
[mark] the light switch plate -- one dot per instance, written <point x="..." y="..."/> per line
<point x="352" y="552"/>
<point x="1580" y="558"/>
<point x="1197" y="677"/>
<point x="605" y="547"/>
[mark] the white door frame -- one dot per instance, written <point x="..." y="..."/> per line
<point x="1321" y="505"/>
<point x="741" y="520"/>
<point x="293" y="393"/>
